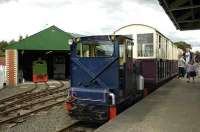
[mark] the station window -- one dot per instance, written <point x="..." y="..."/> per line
<point x="145" y="45"/>
<point x="103" y="49"/>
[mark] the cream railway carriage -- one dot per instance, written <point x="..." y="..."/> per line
<point x="156" y="54"/>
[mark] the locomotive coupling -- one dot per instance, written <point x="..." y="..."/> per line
<point x="68" y="103"/>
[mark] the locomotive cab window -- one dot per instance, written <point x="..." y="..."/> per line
<point x="125" y="50"/>
<point x="122" y="51"/>
<point x="95" y="49"/>
<point x="129" y="48"/>
<point x="145" y="45"/>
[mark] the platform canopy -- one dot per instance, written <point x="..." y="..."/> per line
<point x="185" y="14"/>
<point x="51" y="38"/>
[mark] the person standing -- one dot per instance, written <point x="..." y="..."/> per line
<point x="191" y="70"/>
<point x="188" y="56"/>
<point x="181" y="66"/>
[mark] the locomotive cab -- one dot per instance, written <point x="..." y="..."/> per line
<point x="102" y="77"/>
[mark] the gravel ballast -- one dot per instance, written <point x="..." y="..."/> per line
<point x="45" y="121"/>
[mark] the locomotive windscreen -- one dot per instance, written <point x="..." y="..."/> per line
<point x="95" y="49"/>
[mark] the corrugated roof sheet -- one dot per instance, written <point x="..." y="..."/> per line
<point x="51" y="38"/>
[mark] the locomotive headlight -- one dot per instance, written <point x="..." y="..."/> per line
<point x="70" y="41"/>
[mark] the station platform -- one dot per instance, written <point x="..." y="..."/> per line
<point x="174" y="107"/>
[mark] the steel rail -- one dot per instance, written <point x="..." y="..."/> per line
<point x="27" y="93"/>
<point x="32" y="97"/>
<point x="28" y="113"/>
<point x="17" y="95"/>
<point x="32" y="104"/>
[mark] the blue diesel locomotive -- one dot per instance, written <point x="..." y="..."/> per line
<point x="103" y="77"/>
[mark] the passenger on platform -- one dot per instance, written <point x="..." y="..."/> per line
<point x="197" y="65"/>
<point x="188" y="56"/>
<point x="181" y="66"/>
<point x="191" y="71"/>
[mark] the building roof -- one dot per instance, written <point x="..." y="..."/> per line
<point x="2" y="60"/>
<point x="185" y="14"/>
<point x="51" y="38"/>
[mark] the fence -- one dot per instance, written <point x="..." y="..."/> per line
<point x="2" y="76"/>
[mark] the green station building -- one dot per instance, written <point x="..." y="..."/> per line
<point x="50" y="45"/>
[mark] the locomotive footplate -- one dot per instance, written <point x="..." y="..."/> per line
<point x="89" y="112"/>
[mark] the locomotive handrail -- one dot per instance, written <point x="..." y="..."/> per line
<point x="112" y="95"/>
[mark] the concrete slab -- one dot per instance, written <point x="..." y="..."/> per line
<point x="174" y="107"/>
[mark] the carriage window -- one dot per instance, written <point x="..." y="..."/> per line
<point x="145" y="45"/>
<point x="129" y="49"/>
<point x="159" y="41"/>
<point x="97" y="49"/>
<point x="122" y="53"/>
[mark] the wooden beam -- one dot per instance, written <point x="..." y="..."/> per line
<point x="184" y="8"/>
<point x="191" y="2"/>
<point x="178" y="3"/>
<point x="189" y="21"/>
<point x="171" y="15"/>
<point x="185" y="16"/>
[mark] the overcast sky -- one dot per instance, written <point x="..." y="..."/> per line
<point x="87" y="17"/>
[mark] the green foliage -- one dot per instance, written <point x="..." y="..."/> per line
<point x="20" y="38"/>
<point x="182" y="45"/>
<point x="4" y="43"/>
<point x="197" y="52"/>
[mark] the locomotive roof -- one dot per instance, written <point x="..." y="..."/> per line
<point x="105" y="36"/>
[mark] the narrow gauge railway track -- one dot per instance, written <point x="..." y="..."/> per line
<point x="47" y="99"/>
<point x="32" y="103"/>
<point x="28" y="96"/>
<point x="14" y="118"/>
<point x="18" y="95"/>
<point x="31" y="97"/>
<point x="80" y="126"/>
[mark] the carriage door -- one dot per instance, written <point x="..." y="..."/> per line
<point x="129" y="74"/>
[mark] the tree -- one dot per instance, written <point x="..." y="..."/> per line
<point x="4" y="43"/>
<point x="197" y="56"/>
<point x="20" y="38"/>
<point x="182" y="45"/>
<point x="197" y="52"/>
<point x="26" y="36"/>
<point x="12" y="41"/>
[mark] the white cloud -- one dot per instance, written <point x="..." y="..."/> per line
<point x="21" y="17"/>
